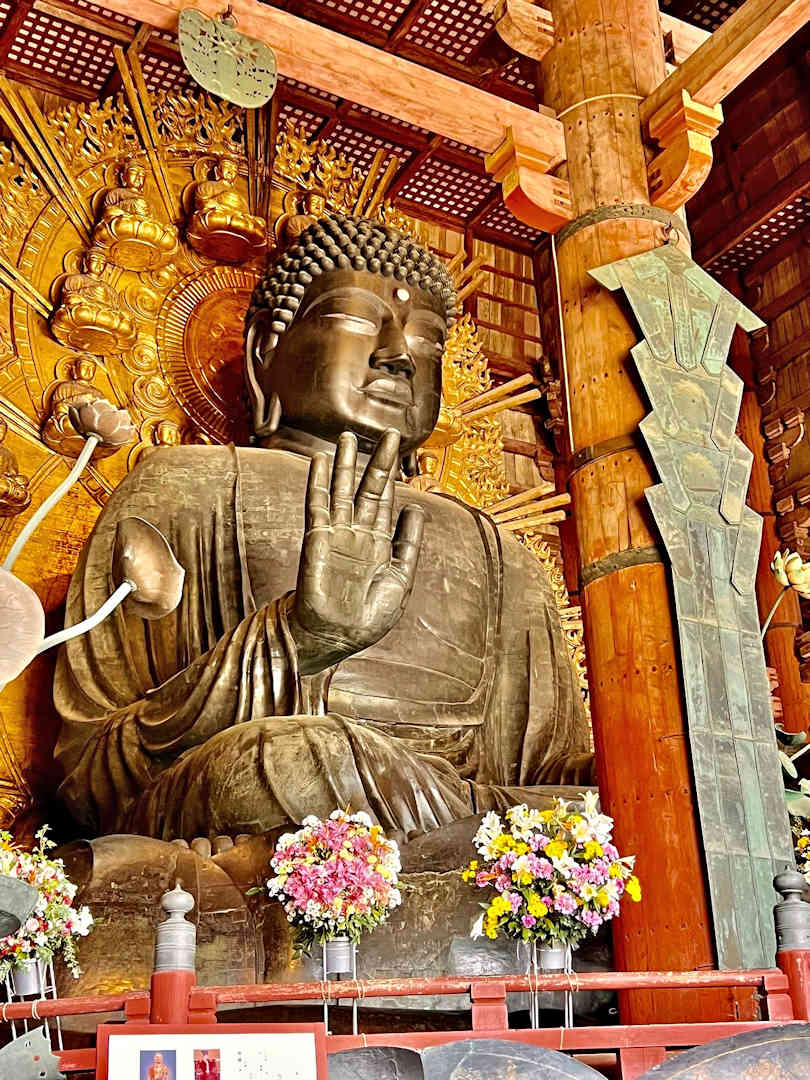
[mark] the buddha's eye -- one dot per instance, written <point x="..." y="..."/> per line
<point x="355" y="324"/>
<point x="426" y="344"/>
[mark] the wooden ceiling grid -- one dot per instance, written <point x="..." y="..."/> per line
<point x="757" y="192"/>
<point x="66" y="46"/>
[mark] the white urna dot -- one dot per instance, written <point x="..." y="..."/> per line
<point x="402" y="294"/>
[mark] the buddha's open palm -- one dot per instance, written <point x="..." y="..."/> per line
<point x="354" y="577"/>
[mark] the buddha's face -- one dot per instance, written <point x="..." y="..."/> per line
<point x="84" y="369"/>
<point x="227" y="169"/>
<point x="134" y="177"/>
<point x="94" y="263"/>
<point x="363" y="354"/>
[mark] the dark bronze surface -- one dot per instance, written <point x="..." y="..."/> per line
<point x="342" y="639"/>
<point x="782" y="1053"/>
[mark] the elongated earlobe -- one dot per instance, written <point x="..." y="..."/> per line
<point x="259" y="345"/>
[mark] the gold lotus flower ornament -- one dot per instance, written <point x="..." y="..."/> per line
<point x="791" y="572"/>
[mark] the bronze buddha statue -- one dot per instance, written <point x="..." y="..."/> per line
<point x="343" y="639"/>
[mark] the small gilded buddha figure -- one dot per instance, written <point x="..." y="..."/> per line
<point x="343" y="639"/>
<point x="90" y="316"/>
<point x="77" y="389"/>
<point x="221" y="225"/>
<point x="14" y="493"/>
<point x="128" y="231"/>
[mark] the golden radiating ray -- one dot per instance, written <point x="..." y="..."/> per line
<point x="510" y="402"/>
<point x="137" y="95"/>
<point x="19" y="284"/>
<point x="533" y="521"/>
<point x="28" y="128"/>
<point x="382" y="187"/>
<point x="533" y="506"/>
<point x="368" y="183"/>
<point x="504" y="390"/>
<point x="522" y="497"/>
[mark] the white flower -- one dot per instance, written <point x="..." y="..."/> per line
<point x="489" y="828"/>
<point x="790" y="571"/>
<point x="310" y="820"/>
<point x="362" y="818"/>
<point x="478" y="927"/>
<point x="590" y="800"/>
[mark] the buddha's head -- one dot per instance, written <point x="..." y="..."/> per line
<point x="167" y="433"/>
<point x="346" y="333"/>
<point x="94" y="262"/>
<point x="84" y="368"/>
<point x="134" y="176"/>
<point x="227" y="169"/>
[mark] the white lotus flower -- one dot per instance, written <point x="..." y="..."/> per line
<point x="792" y="572"/>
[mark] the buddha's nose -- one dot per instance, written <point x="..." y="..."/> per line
<point x="391" y="354"/>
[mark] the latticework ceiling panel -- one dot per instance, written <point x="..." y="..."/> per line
<point x="451" y="28"/>
<point x="361" y="146"/>
<point x="445" y="188"/>
<point x="499" y="220"/>
<point x="62" y="52"/>
<point x="766" y="236"/>
<point x="162" y="73"/>
<point x="708" y="14"/>
<point x="381" y="15"/>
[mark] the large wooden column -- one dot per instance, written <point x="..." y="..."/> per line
<point x="607" y="55"/>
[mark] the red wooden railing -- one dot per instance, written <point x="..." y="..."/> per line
<point x="173" y="999"/>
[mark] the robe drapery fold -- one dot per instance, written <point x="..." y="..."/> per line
<point x="200" y="723"/>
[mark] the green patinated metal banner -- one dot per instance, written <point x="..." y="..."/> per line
<point x="712" y="540"/>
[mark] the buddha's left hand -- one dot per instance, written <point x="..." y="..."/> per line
<point x="355" y="574"/>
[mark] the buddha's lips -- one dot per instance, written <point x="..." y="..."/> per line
<point x="391" y="389"/>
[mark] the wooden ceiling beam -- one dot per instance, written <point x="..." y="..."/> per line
<point x="685" y="37"/>
<point x="747" y="38"/>
<point x="351" y="69"/>
<point x="782" y="193"/>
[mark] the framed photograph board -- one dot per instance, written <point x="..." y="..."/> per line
<point x="211" y="1052"/>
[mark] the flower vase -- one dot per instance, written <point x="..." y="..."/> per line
<point x="551" y="959"/>
<point x="339" y="957"/>
<point x="28" y="979"/>
<point x="340" y="961"/>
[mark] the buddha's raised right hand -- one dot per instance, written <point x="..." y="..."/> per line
<point x="354" y="576"/>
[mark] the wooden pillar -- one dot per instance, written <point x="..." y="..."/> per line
<point x="606" y="56"/>
<point x="780" y="641"/>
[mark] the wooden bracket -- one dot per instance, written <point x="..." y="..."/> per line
<point x="684" y="129"/>
<point x="529" y="192"/>
<point x="523" y="25"/>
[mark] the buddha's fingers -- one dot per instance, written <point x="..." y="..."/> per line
<point x="317" y="502"/>
<point x="407" y="543"/>
<point x="342" y="500"/>
<point x="383" y="522"/>
<point x="374" y="487"/>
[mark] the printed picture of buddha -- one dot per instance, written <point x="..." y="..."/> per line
<point x="158" y="1065"/>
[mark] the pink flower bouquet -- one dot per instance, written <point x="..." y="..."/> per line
<point x="556" y="874"/>
<point x="335" y="878"/>
<point x="55" y="923"/>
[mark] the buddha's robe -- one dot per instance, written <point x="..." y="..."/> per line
<point x="200" y="723"/>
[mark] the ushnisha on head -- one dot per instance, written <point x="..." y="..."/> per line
<point x="346" y="333"/>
